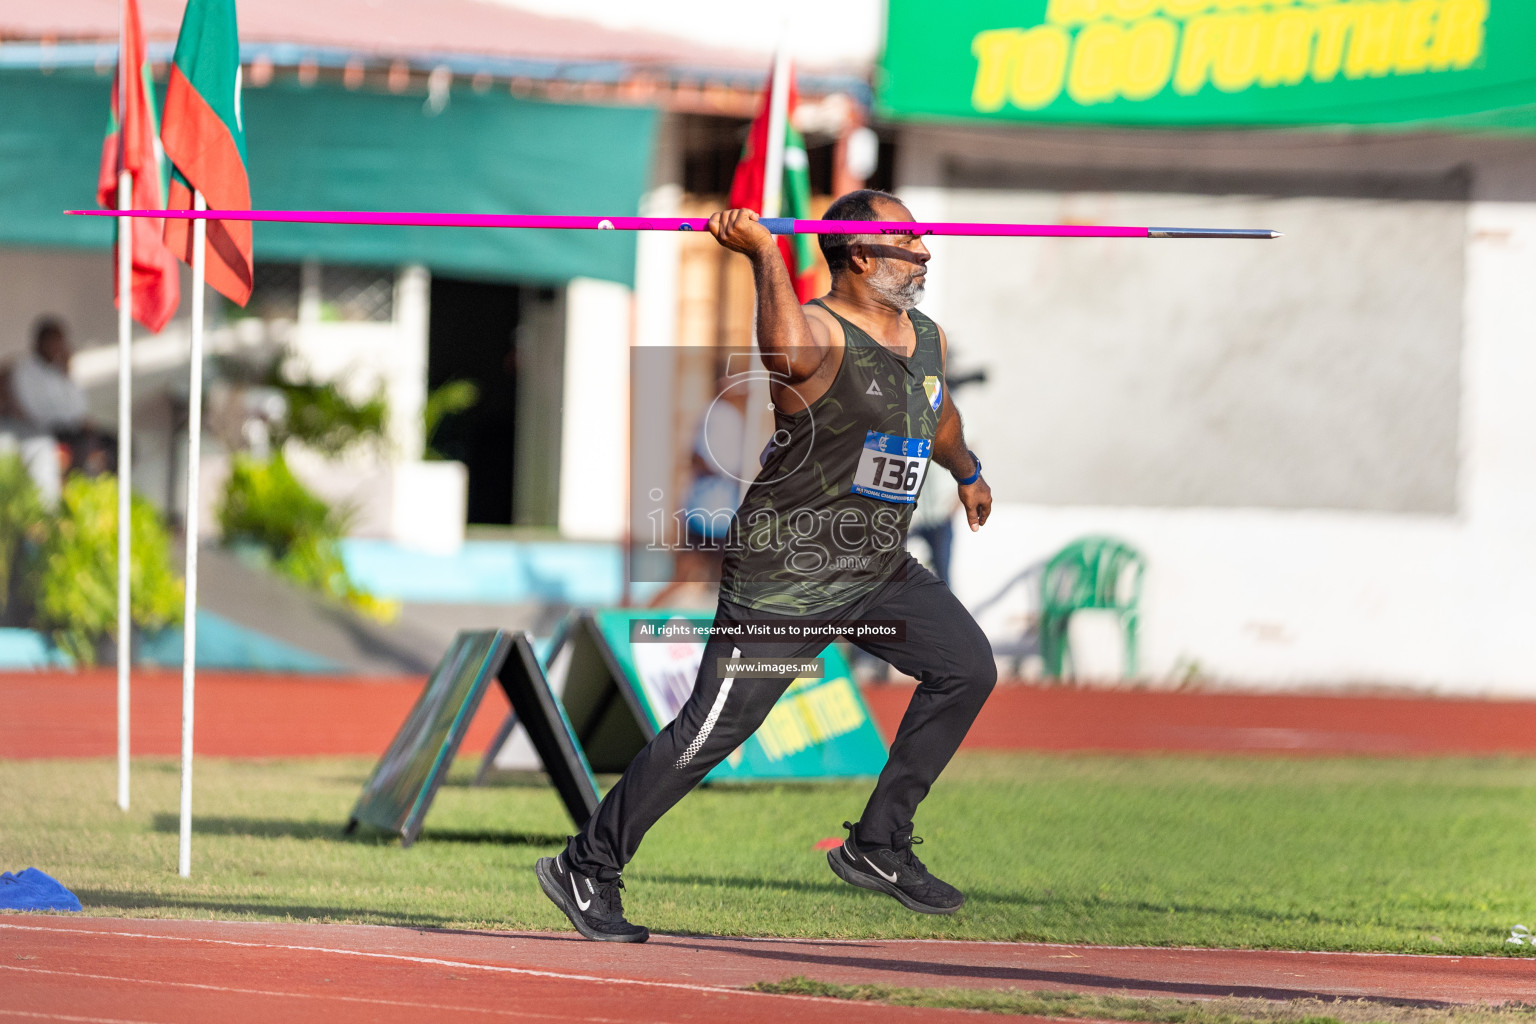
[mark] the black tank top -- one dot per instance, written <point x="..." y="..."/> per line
<point x="826" y="519"/>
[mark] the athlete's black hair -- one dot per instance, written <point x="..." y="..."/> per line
<point x="43" y="328"/>
<point x="859" y="205"/>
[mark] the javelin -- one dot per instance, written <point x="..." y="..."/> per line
<point x="777" y="225"/>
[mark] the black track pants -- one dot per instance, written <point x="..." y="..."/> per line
<point x="944" y="650"/>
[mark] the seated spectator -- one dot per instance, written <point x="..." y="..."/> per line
<point x="44" y="393"/>
<point x="38" y="451"/>
<point x="48" y="400"/>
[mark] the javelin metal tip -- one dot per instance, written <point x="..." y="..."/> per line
<point x="1212" y="233"/>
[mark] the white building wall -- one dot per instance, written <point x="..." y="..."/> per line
<point x="658" y="281"/>
<point x="1496" y="598"/>
<point x="362" y="357"/>
<point x="1316" y="597"/>
<point x="75" y="284"/>
<point x="595" y="417"/>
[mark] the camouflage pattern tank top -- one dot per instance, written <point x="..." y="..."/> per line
<point x="825" y="521"/>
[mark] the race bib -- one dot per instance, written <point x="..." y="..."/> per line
<point x="891" y="468"/>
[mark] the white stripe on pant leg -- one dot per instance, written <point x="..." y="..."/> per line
<point x="710" y="719"/>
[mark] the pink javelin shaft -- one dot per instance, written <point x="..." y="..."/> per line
<point x="777" y="225"/>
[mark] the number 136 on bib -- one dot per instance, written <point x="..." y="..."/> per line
<point x="891" y="467"/>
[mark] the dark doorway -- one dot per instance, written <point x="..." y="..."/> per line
<point x="471" y="337"/>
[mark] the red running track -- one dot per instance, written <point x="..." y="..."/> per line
<point x="157" y="972"/>
<point x="74" y="714"/>
<point x="1022" y="717"/>
<point x="167" y="971"/>
<point x="65" y="714"/>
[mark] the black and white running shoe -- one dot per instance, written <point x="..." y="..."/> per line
<point x="594" y="906"/>
<point x="895" y="871"/>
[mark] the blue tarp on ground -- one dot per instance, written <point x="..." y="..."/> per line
<point x="490" y="572"/>
<point x="27" y="648"/>
<point x="221" y="644"/>
<point x="229" y="645"/>
<point x="34" y="890"/>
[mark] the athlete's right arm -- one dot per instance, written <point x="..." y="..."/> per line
<point x="782" y="326"/>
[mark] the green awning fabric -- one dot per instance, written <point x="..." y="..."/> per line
<point x="327" y="148"/>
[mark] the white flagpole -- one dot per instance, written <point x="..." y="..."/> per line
<point x="194" y="453"/>
<point x="124" y="470"/>
<point x="778" y="116"/>
<point x="124" y="409"/>
<point x="756" y="422"/>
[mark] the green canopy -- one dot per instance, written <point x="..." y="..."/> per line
<point x="1408" y="64"/>
<point x="328" y="148"/>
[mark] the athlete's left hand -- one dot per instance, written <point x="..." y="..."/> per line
<point x="977" y="498"/>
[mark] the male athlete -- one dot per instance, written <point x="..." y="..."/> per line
<point x="860" y="410"/>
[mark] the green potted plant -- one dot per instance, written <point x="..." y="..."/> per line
<point x="267" y="515"/>
<point x="76" y="597"/>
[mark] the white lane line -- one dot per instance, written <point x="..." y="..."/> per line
<point x="65" y="1016"/>
<point x="668" y="940"/>
<point x="960" y="944"/>
<point x="305" y="995"/>
<point x="403" y="958"/>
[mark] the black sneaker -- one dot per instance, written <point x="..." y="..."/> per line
<point x="896" y="871"/>
<point x="594" y="906"/>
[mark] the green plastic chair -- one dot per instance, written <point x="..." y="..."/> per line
<point x="1092" y="572"/>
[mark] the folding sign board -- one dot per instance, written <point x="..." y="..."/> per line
<point x="619" y="693"/>
<point x="612" y="739"/>
<point x="400" y="790"/>
<point x="604" y="709"/>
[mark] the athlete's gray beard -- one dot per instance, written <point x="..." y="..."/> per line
<point x="896" y="291"/>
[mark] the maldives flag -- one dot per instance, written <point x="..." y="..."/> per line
<point x="795" y="196"/>
<point x="205" y="140"/>
<point x="131" y="146"/>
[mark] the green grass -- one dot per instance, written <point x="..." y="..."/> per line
<point x="1228" y="1010"/>
<point x="1398" y="855"/>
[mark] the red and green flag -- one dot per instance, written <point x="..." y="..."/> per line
<point x="795" y="195"/>
<point x="131" y="146"/>
<point x="205" y="140"/>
